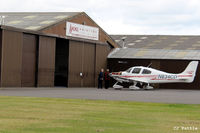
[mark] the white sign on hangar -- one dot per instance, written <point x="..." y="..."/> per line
<point x="82" y="31"/>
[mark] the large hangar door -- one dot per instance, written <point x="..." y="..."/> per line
<point x="61" y="66"/>
<point x="89" y="65"/>
<point x="81" y="64"/>
<point x="11" y="59"/>
<point x="28" y="60"/>
<point x="46" y="61"/>
<point x="75" y="63"/>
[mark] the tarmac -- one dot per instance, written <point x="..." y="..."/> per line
<point x="156" y="96"/>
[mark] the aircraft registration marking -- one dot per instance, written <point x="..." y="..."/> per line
<point x="170" y="77"/>
<point x="167" y="76"/>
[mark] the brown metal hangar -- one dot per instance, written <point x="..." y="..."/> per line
<point x="170" y="53"/>
<point x="51" y="49"/>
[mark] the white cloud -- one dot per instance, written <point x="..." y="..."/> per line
<point x="124" y="17"/>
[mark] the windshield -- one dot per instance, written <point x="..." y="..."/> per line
<point x="128" y="70"/>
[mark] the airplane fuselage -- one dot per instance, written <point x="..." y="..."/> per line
<point x="155" y="76"/>
<point x="146" y="76"/>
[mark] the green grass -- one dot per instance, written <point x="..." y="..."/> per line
<point x="54" y="115"/>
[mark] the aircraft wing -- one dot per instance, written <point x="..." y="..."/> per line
<point x="125" y="79"/>
<point x="140" y="80"/>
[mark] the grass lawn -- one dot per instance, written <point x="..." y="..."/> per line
<point x="54" y="115"/>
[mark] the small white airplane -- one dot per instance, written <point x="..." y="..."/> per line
<point x="145" y="76"/>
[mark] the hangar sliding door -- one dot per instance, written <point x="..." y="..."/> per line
<point x="46" y="61"/>
<point x="28" y="60"/>
<point x="89" y="65"/>
<point x="11" y="63"/>
<point x="75" y="64"/>
<point x="81" y="64"/>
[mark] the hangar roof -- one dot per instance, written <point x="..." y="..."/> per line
<point x="138" y="53"/>
<point x="167" y="42"/>
<point x="38" y="21"/>
<point x="33" y="20"/>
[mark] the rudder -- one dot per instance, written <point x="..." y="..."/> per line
<point x="191" y="70"/>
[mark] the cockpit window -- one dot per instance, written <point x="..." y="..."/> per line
<point x="136" y="70"/>
<point x="128" y="70"/>
<point x="145" y="71"/>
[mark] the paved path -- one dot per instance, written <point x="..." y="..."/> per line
<point x="158" y="96"/>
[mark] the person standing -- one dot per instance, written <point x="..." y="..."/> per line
<point x="107" y="78"/>
<point x="100" y="79"/>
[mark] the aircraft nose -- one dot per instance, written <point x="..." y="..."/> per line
<point x="110" y="74"/>
<point x="115" y="73"/>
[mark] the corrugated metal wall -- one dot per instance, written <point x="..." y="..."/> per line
<point x="29" y="60"/>
<point x="46" y="62"/>
<point x="102" y="52"/>
<point x="11" y="59"/>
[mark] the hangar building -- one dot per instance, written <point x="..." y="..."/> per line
<point x="51" y="49"/>
<point x="167" y="53"/>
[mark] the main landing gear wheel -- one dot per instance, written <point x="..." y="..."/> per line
<point x="117" y="87"/>
<point x="134" y="87"/>
<point x="148" y="87"/>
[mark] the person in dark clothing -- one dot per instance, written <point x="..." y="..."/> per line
<point x="107" y="79"/>
<point x="100" y="79"/>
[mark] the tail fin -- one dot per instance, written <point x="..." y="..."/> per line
<point x="190" y="71"/>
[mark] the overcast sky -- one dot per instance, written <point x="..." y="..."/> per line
<point x="162" y="17"/>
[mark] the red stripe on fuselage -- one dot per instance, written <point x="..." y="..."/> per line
<point x="163" y="79"/>
<point x="148" y="76"/>
<point x="184" y="75"/>
<point x="153" y="76"/>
